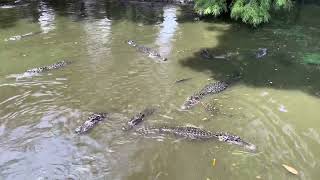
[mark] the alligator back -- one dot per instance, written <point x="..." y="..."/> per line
<point x="56" y="65"/>
<point x="214" y="88"/>
<point x="200" y="134"/>
<point x="188" y="132"/>
<point x="146" y="50"/>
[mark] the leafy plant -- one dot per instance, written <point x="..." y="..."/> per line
<point x="253" y="12"/>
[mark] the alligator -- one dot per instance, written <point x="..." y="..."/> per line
<point x="146" y="50"/>
<point x="56" y="65"/>
<point x="212" y="88"/>
<point x="207" y="55"/>
<point x="138" y="118"/>
<point x="9" y="4"/>
<point x="195" y="133"/>
<point x="19" y="37"/>
<point x="261" y="52"/>
<point x="92" y="121"/>
<point x="36" y="71"/>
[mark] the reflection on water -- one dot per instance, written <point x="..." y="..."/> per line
<point x="46" y="18"/>
<point x="98" y="36"/>
<point x="38" y="115"/>
<point x="167" y="30"/>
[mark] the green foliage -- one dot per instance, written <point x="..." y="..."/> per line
<point x="213" y="7"/>
<point x="253" y="12"/>
<point x="312" y="58"/>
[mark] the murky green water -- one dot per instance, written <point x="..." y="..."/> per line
<point x="275" y="105"/>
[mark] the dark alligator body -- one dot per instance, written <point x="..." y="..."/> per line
<point x="146" y="50"/>
<point x="138" y="118"/>
<point x="92" y="121"/>
<point x="212" y="88"/>
<point x="199" y="134"/>
<point x="207" y="55"/>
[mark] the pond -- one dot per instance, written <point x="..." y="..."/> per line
<point x="274" y="105"/>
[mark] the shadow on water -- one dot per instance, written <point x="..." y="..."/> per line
<point x="281" y="68"/>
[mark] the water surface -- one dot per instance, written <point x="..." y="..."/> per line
<point x="274" y="105"/>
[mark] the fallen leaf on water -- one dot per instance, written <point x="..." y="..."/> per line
<point x="213" y="162"/>
<point x="290" y="169"/>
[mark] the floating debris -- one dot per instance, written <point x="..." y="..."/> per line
<point x="213" y="162"/>
<point x="183" y="80"/>
<point x="290" y="169"/>
<point x="165" y="116"/>
<point x="282" y="108"/>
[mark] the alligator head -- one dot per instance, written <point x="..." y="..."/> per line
<point x="154" y="54"/>
<point x="261" y="52"/>
<point x="233" y="139"/>
<point x="205" y="54"/>
<point x="191" y="101"/>
<point x="137" y="119"/>
<point x="93" y="119"/>
<point x="132" y="43"/>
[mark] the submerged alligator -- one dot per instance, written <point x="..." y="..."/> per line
<point x="199" y="134"/>
<point x="138" y="118"/>
<point x="36" y="71"/>
<point x="207" y="55"/>
<point x="212" y="88"/>
<point x="19" y="37"/>
<point x="56" y="65"/>
<point x="92" y="121"/>
<point x="146" y="50"/>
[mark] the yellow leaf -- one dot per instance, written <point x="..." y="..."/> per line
<point x="213" y="162"/>
<point x="290" y="169"/>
